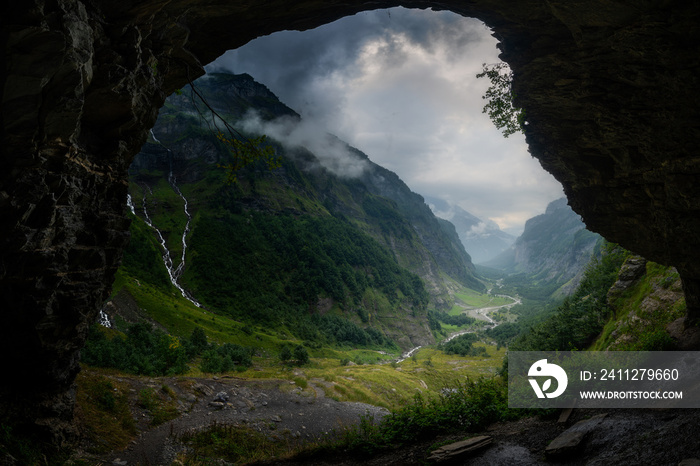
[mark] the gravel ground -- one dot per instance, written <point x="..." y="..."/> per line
<point x="277" y="407"/>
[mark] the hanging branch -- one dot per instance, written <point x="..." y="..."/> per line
<point x="499" y="97"/>
<point x="245" y="150"/>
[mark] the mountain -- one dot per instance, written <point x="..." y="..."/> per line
<point x="483" y="240"/>
<point x="325" y="245"/>
<point x="552" y="251"/>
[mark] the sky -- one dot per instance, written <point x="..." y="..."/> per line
<point x="401" y="86"/>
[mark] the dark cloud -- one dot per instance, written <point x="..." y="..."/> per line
<point x="290" y="62"/>
<point x="400" y="85"/>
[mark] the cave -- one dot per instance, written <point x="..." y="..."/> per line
<point x="609" y="89"/>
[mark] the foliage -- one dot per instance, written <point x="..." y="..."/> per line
<point x="643" y="311"/>
<point x="581" y="317"/>
<point x="160" y="404"/>
<point x="459" y="320"/>
<point x="301" y="355"/>
<point x="226" y="357"/>
<point x="281" y="265"/>
<point x="233" y="444"/>
<point x="144" y="350"/>
<point x="340" y="331"/>
<point x="297" y="355"/>
<point x="499" y="96"/>
<point x="463" y="346"/>
<point x="469" y="406"/>
<point x="198" y="342"/>
<point x="246" y="152"/>
<point x="103" y="413"/>
<point x="143" y="257"/>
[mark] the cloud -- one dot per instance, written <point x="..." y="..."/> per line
<point x="331" y="153"/>
<point x="400" y="85"/>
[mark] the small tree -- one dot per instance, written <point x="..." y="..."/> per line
<point x="499" y="97"/>
<point x="198" y="340"/>
<point x="301" y="355"/>
<point x="285" y="354"/>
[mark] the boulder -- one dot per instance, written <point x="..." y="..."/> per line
<point x="571" y="440"/>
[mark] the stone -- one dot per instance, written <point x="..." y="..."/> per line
<point x="685" y="334"/>
<point x="459" y="450"/>
<point x="565" y="415"/>
<point x="632" y="270"/>
<point x="222" y="397"/>
<point x="569" y="442"/>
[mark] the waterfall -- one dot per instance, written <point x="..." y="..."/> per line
<point x="173" y="272"/>
<point x="130" y="203"/>
<point x="103" y="319"/>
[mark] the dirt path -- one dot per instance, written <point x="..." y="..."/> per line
<point x="276" y="407"/>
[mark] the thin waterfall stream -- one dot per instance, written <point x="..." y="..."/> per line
<point x="173" y="272"/>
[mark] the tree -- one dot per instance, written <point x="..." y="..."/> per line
<point x="499" y="96"/>
<point x="198" y="340"/>
<point x="301" y="355"/>
<point x="285" y="354"/>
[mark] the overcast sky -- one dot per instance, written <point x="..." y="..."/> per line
<point x="400" y="85"/>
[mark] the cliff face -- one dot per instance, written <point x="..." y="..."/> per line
<point x="610" y="90"/>
<point x="553" y="250"/>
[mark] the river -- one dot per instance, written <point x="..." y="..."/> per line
<point x="482" y="311"/>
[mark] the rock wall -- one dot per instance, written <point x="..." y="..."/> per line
<point x="609" y="87"/>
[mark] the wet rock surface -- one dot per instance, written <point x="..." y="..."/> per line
<point x="634" y="437"/>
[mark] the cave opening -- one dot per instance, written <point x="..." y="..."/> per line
<point x="610" y="90"/>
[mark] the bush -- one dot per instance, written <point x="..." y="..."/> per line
<point x="301" y="355"/>
<point x="225" y="358"/>
<point x="144" y="350"/>
<point x="462" y="345"/>
<point x="470" y="406"/>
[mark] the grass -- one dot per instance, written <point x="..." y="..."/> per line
<point x="474" y="298"/>
<point x="103" y="413"/>
<point x="371" y="377"/>
<point x="642" y="312"/>
<point x="160" y="404"/>
<point x="233" y="443"/>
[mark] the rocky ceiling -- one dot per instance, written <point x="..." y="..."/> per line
<point x="610" y="89"/>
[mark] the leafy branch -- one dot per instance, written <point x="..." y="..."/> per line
<point x="245" y="150"/>
<point x="499" y="96"/>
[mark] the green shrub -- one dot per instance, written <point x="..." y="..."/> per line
<point x="470" y="406"/>
<point x="144" y="350"/>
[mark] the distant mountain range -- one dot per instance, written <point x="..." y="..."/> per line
<point x="483" y="240"/>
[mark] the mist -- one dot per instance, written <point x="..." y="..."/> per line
<point x="331" y="153"/>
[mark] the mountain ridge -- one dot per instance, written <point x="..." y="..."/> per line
<point x="305" y="195"/>
<point x="552" y="251"/>
<point x="483" y="240"/>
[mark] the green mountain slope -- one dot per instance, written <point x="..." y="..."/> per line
<point x="328" y="247"/>
<point x="551" y="254"/>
